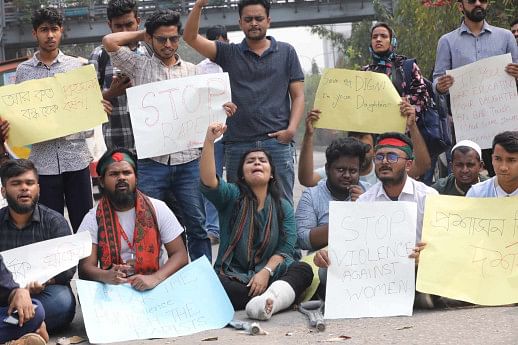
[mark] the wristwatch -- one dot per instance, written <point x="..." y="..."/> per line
<point x="269" y="270"/>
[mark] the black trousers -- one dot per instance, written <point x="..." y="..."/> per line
<point x="73" y="188"/>
<point x="299" y="276"/>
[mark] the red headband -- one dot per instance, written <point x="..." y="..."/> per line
<point x="392" y="142"/>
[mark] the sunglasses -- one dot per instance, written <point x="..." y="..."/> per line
<point x="472" y="2"/>
<point x="164" y="39"/>
<point x="391" y="157"/>
<point x="248" y="19"/>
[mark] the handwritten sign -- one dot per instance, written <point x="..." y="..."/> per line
<point x="190" y="301"/>
<point x="484" y="101"/>
<point x="43" y="260"/>
<point x="358" y="101"/>
<point x="173" y="115"/>
<point x="472" y="249"/>
<point x="49" y="108"/>
<point x="370" y="273"/>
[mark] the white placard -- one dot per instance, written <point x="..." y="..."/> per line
<point x="370" y="274"/>
<point x="173" y="115"/>
<point x="43" y="260"/>
<point x="483" y="99"/>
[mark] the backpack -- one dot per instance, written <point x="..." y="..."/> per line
<point x="433" y="122"/>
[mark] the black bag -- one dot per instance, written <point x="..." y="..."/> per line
<point x="433" y="122"/>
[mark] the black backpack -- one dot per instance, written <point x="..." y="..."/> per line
<point x="433" y="122"/>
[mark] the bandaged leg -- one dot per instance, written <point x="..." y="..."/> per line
<point x="279" y="296"/>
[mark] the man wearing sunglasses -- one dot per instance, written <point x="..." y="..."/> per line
<point x="176" y="172"/>
<point x="474" y="40"/>
<point x="267" y="86"/>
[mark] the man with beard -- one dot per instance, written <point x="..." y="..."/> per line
<point x="466" y="166"/>
<point x="128" y="229"/>
<point x="25" y="221"/>
<point x="267" y="86"/>
<point x="474" y="40"/>
<point x="514" y="29"/>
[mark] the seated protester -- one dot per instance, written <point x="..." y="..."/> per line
<point x="466" y="166"/>
<point x="128" y="229"/>
<point x="393" y="159"/>
<point x="309" y="177"/>
<point x="30" y="328"/>
<point x="24" y="221"/>
<point x="344" y="159"/>
<point x="505" y="164"/>
<point x="257" y="233"/>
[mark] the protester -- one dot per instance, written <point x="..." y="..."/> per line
<point x="474" y="40"/>
<point x="176" y="172"/>
<point x="128" y="229"/>
<point x="267" y="86"/>
<point x="257" y="235"/>
<point x="514" y="29"/>
<point x="466" y="166"/>
<point x="118" y="132"/>
<point x="505" y="162"/>
<point x="62" y="163"/>
<point x="344" y="157"/>
<point x="30" y="329"/>
<point x="214" y="33"/>
<point x="24" y="221"/>
<point x="393" y="159"/>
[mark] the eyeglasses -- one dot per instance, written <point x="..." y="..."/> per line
<point x="248" y="19"/>
<point x="471" y="2"/>
<point x="164" y="39"/>
<point x="391" y="157"/>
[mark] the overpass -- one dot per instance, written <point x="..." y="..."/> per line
<point x="85" y="24"/>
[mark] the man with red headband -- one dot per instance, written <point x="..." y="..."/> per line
<point x="128" y="229"/>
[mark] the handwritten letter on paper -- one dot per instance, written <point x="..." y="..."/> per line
<point x="49" y="108"/>
<point x="43" y="260"/>
<point x="370" y="273"/>
<point x="472" y="249"/>
<point x="358" y="101"/>
<point x="484" y="101"/>
<point x="173" y="115"/>
<point x="190" y="301"/>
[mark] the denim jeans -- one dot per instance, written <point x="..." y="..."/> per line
<point x="282" y="155"/>
<point x="12" y="332"/>
<point x="212" y="219"/>
<point x="59" y="303"/>
<point x="183" y="180"/>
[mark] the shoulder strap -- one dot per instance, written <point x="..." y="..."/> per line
<point x="408" y="66"/>
<point x="101" y="66"/>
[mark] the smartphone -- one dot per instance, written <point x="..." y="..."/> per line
<point x="13" y="318"/>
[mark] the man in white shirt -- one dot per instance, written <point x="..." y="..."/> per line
<point x="128" y="229"/>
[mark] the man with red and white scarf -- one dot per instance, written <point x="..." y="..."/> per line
<point x="128" y="229"/>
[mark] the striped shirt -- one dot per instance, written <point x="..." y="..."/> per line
<point x="144" y="70"/>
<point x="56" y="156"/>
<point x="461" y="47"/>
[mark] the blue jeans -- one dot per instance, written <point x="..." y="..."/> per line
<point x="59" y="303"/>
<point x="183" y="180"/>
<point x="212" y="219"/>
<point x="12" y="332"/>
<point x="282" y="156"/>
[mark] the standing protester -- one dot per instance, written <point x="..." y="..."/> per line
<point x="214" y="33"/>
<point x="117" y="132"/>
<point x="267" y="86"/>
<point x="474" y="40"/>
<point x="514" y="29"/>
<point x="62" y="163"/>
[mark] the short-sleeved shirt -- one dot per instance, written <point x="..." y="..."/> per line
<point x="143" y="70"/>
<point x="313" y="211"/>
<point x="168" y="226"/>
<point x="117" y="131"/>
<point x="56" y="156"/>
<point x="260" y="88"/>
<point x="207" y="66"/>
<point x="45" y="224"/>
<point x="489" y="189"/>
<point x="460" y="47"/>
<point x="447" y="186"/>
<point x="413" y="190"/>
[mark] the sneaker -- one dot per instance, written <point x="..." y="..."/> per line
<point x="28" y="339"/>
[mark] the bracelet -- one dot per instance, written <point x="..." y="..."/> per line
<point x="269" y="270"/>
